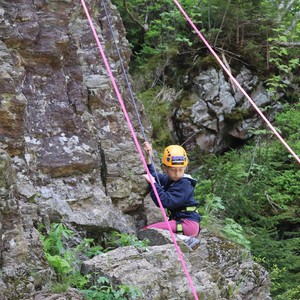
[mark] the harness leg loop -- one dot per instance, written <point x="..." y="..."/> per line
<point x="179" y="227"/>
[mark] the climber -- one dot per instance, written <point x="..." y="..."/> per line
<point x="176" y="192"/>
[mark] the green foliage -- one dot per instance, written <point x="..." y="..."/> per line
<point x="88" y="248"/>
<point x="279" y="256"/>
<point x="288" y="122"/>
<point x="123" y="239"/>
<point x="249" y="32"/>
<point x="293" y="294"/>
<point x="282" y="62"/>
<point x="211" y="214"/>
<point x="67" y="262"/>
<point x="53" y="243"/>
<point x="235" y="232"/>
<point x="168" y="34"/>
<point x="59" y="263"/>
<point x="164" y="20"/>
<point x="252" y="195"/>
<point x="158" y="111"/>
<point x="63" y="260"/>
<point x="212" y="208"/>
<point x="285" y="190"/>
<point x="104" y="290"/>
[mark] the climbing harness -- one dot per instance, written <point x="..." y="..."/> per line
<point x="179" y="227"/>
<point x="185" y="209"/>
<point x="138" y="147"/>
<point x="189" y="208"/>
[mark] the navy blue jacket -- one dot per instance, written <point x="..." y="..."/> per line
<point x="175" y="196"/>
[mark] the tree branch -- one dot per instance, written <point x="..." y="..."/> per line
<point x="294" y="23"/>
<point x="284" y="8"/>
<point x="288" y="44"/>
<point x="143" y="26"/>
<point x="229" y="69"/>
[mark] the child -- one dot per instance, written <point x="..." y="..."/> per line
<point x="176" y="192"/>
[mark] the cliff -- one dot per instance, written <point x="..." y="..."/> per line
<point x="67" y="155"/>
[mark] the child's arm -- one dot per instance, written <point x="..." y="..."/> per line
<point x="155" y="176"/>
<point x="149" y="151"/>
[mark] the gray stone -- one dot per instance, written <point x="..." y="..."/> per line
<point x="67" y="155"/>
<point x="219" y="114"/>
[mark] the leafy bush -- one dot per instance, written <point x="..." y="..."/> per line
<point x="211" y="214"/>
<point x="67" y="261"/>
<point x="256" y="189"/>
<point x="282" y="62"/>
<point x="104" y="290"/>
<point x="123" y="239"/>
<point x="235" y="232"/>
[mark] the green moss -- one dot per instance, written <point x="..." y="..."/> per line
<point x="159" y="113"/>
<point x="185" y="101"/>
<point x="236" y="115"/>
<point x="206" y="62"/>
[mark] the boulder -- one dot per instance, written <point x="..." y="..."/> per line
<point x="219" y="269"/>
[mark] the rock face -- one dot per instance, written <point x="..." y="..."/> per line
<point x="218" y="269"/>
<point x="19" y="240"/>
<point x="60" y="119"/>
<point x="215" y="115"/>
<point x="66" y="151"/>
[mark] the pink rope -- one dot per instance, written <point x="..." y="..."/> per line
<point x="138" y="146"/>
<point x="236" y="82"/>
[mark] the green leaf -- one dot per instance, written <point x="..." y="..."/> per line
<point x="58" y="263"/>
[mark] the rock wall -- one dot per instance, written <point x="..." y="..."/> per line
<point x="60" y="119"/>
<point x="214" y="115"/>
<point x="218" y="269"/>
<point x="66" y="152"/>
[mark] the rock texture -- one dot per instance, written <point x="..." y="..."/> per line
<point x="67" y="154"/>
<point x="214" y="114"/>
<point x="218" y="269"/>
<point x="60" y="119"/>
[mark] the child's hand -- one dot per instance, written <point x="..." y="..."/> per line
<point x="148" y="148"/>
<point x="148" y="178"/>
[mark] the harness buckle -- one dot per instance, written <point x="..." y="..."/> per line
<point x="179" y="227"/>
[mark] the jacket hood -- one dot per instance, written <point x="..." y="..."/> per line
<point x="190" y="178"/>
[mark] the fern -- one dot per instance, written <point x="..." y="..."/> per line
<point x="66" y="263"/>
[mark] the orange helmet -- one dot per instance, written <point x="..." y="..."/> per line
<point x="175" y="156"/>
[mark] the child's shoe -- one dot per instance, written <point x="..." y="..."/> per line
<point x="193" y="243"/>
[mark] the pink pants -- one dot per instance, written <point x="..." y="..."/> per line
<point x="190" y="228"/>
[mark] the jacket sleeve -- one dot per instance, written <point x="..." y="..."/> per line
<point x="175" y="197"/>
<point x="158" y="177"/>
